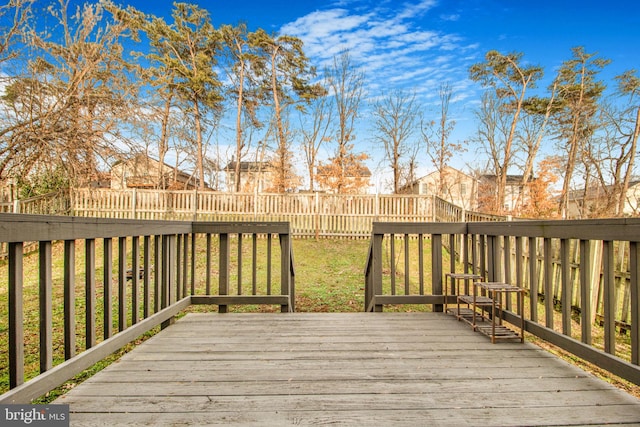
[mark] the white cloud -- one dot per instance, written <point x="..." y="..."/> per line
<point x="389" y="42"/>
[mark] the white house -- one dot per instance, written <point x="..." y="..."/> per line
<point x="450" y="184"/>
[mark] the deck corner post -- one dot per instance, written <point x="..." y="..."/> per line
<point x="169" y="255"/>
<point x="377" y="270"/>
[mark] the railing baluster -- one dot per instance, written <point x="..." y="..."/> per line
<point x="107" y="287"/>
<point x="436" y="268"/>
<point x="69" y="299"/>
<point x="482" y="252"/>
<point x="269" y="264"/>
<point x="135" y="279"/>
<point x="158" y="272"/>
<point x="208" y="265"/>
<point x="185" y="264"/>
<point x="46" y="306"/>
<point x="193" y="263"/>
<point x="519" y="269"/>
<point x="179" y="278"/>
<point x="16" y="315"/>
<point x="533" y="279"/>
<point x="507" y="267"/>
<point x="585" y="291"/>
<point x="146" y="280"/>
<point x="223" y="284"/>
<point x="254" y="265"/>
<point x="548" y="283"/>
<point x="407" y="271"/>
<point x="90" y="292"/>
<point x="421" y="262"/>
<point x="239" y="263"/>
<point x="392" y="261"/>
<point x="122" y="283"/>
<point x="609" y="298"/>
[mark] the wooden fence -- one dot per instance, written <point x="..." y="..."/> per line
<point x="310" y="215"/>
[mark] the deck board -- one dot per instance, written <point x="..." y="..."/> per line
<point x="344" y="369"/>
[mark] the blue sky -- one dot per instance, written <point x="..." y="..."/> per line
<point x="418" y="44"/>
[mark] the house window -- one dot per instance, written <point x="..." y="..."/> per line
<point x="463" y="189"/>
<point x="425" y="188"/>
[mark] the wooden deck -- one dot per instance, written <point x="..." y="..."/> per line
<point x="342" y="369"/>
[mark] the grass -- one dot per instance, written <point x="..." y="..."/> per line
<point x="329" y="278"/>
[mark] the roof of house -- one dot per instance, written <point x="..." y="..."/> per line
<point x="595" y="192"/>
<point x="247" y="166"/>
<point x="408" y="185"/>
<point x="362" y="170"/>
<point x="511" y="179"/>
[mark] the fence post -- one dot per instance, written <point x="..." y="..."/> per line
<point x="195" y="204"/>
<point x="317" y="215"/>
<point x="16" y="206"/>
<point x="134" y="202"/>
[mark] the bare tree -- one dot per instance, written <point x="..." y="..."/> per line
<point x="436" y="137"/>
<point x="69" y="109"/>
<point x="396" y="116"/>
<point x="315" y="128"/>
<point x="346" y="86"/>
<point x="491" y="136"/>
<point x="611" y="152"/>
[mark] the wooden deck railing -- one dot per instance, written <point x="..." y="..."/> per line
<point x="568" y="269"/>
<point x="158" y="268"/>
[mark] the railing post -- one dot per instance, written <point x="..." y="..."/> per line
<point x="46" y="307"/>
<point x="169" y="255"/>
<point x="533" y="279"/>
<point x="16" y="315"/>
<point x="609" y="298"/>
<point x="135" y="279"/>
<point x="90" y="292"/>
<point x="122" y="284"/>
<point x="107" y="285"/>
<point x="285" y="269"/>
<point x="69" y="299"/>
<point x="377" y="269"/>
<point x="548" y="282"/>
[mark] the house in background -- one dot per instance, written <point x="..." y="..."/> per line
<point x="142" y="171"/>
<point x="357" y="180"/>
<point x="595" y="202"/>
<point x="452" y="185"/>
<point x="515" y="194"/>
<point x="254" y="176"/>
